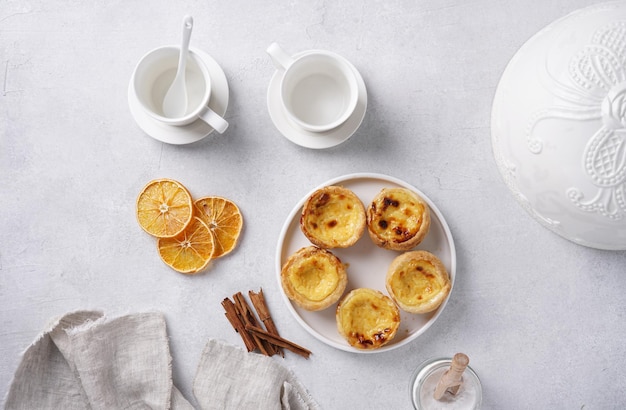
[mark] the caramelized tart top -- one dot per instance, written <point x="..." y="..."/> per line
<point x="398" y="219"/>
<point x="314" y="278"/>
<point x="367" y="319"/>
<point x="333" y="217"/>
<point x="418" y="281"/>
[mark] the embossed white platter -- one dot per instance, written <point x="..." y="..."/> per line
<point x="367" y="263"/>
<point x="559" y="126"/>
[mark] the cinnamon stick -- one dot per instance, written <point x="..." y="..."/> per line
<point x="278" y="341"/>
<point x="247" y="317"/>
<point x="243" y="320"/>
<point x="235" y="320"/>
<point x="258" y="301"/>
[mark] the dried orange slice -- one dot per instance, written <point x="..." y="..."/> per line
<point x="191" y="250"/>
<point x="164" y="208"/>
<point x="224" y="220"/>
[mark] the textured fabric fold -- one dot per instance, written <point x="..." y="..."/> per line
<point x="86" y="361"/>
<point x="230" y="378"/>
<point x="124" y="363"/>
<point x="178" y="401"/>
<point x="45" y="379"/>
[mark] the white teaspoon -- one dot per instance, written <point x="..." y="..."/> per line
<point x="175" y="101"/>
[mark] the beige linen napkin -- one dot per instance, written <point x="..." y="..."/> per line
<point x="231" y="378"/>
<point x="84" y="360"/>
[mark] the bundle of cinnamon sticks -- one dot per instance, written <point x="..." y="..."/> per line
<point x="255" y="335"/>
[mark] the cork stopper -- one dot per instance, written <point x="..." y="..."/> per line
<point x="452" y="379"/>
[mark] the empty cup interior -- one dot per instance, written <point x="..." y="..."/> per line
<point x="319" y="91"/>
<point x="155" y="74"/>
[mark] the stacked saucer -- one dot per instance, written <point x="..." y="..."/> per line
<point x="194" y="131"/>
<point x="282" y="115"/>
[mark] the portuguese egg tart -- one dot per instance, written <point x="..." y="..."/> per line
<point x="417" y="281"/>
<point x="333" y="217"/>
<point x="313" y="278"/>
<point x="398" y="219"/>
<point x="367" y="319"/>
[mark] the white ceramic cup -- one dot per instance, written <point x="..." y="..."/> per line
<point x="318" y="90"/>
<point x="155" y="73"/>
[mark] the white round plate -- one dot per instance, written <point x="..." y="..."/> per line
<point x="315" y="140"/>
<point x="367" y="263"/>
<point x="195" y="131"/>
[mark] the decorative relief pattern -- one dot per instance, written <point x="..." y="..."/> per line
<point x="598" y="92"/>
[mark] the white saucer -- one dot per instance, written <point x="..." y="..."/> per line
<point x="309" y="139"/>
<point x="191" y="132"/>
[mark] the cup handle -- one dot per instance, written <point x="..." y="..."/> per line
<point x="218" y="123"/>
<point x="280" y="58"/>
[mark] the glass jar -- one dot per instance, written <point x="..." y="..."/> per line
<point x="425" y="379"/>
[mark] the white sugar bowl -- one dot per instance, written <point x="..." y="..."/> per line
<point x="559" y="126"/>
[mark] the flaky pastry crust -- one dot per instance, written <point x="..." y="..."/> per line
<point x="367" y="319"/>
<point x="398" y="219"/>
<point x="333" y="217"/>
<point x="417" y="281"/>
<point x="313" y="278"/>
